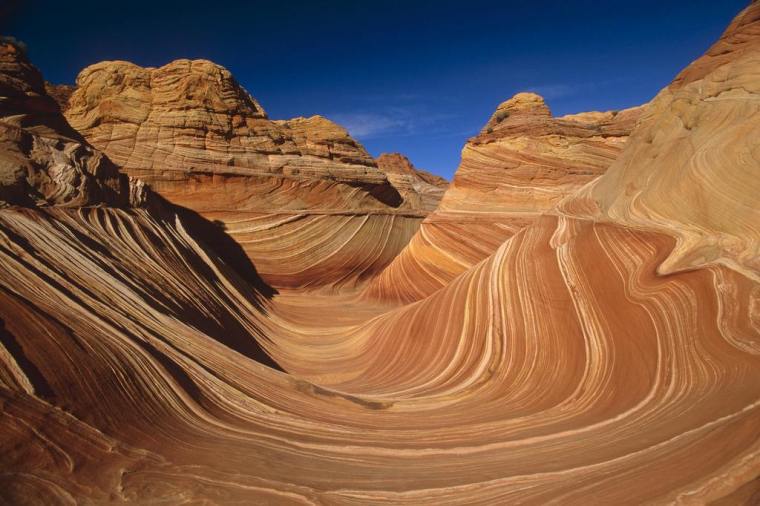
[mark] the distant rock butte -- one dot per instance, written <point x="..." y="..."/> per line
<point x="521" y="164"/>
<point x="60" y="93"/>
<point x="290" y="192"/>
<point x="419" y="188"/>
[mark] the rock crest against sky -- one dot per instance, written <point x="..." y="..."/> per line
<point x="415" y="77"/>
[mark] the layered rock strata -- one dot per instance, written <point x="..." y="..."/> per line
<point x="702" y="124"/>
<point x="306" y="201"/>
<point x="579" y="362"/>
<point x="419" y="188"/>
<point x="523" y="162"/>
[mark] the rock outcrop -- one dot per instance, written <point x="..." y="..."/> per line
<point x="43" y="161"/>
<point x="606" y="352"/>
<point x="60" y="93"/>
<point x="191" y="119"/>
<point x="419" y="189"/>
<point x="523" y="162"/>
<point x="700" y="183"/>
<point x="306" y="201"/>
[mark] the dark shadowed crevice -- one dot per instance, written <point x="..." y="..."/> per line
<point x="41" y="387"/>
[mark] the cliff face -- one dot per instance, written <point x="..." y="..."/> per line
<point x="599" y="354"/>
<point x="306" y="201"/>
<point x="522" y="163"/>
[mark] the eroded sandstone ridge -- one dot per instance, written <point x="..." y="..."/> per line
<point x="607" y="351"/>
<point x="290" y="192"/>
<point x="702" y="123"/>
<point x="523" y="162"/>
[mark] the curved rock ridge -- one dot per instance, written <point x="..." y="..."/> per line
<point x="565" y="367"/>
<point x="516" y="373"/>
<point x="523" y="162"/>
<point x="300" y="193"/>
<point x="43" y="161"/>
<point x="419" y="188"/>
<point x="700" y="183"/>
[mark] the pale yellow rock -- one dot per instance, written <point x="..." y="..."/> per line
<point x="691" y="168"/>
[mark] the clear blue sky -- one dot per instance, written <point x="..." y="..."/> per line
<point x="418" y="77"/>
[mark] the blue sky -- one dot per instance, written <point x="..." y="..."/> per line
<point x="418" y="77"/>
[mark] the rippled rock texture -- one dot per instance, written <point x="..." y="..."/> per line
<point x="522" y="163"/>
<point x="606" y="351"/>
<point x="306" y="201"/>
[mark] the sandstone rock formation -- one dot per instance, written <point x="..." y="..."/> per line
<point x="522" y="163"/>
<point x="291" y="192"/>
<point x="60" y="93"/>
<point x="601" y="354"/>
<point x="419" y="188"/>
<point x="702" y="124"/>
<point x="42" y="160"/>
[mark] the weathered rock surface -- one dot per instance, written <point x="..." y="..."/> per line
<point x="572" y="365"/>
<point x="700" y="181"/>
<point x="60" y="93"/>
<point x="522" y="163"/>
<point x="43" y="161"/>
<point x="419" y="189"/>
<point x="306" y="201"/>
<point x="191" y="118"/>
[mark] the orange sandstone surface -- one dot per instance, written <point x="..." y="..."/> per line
<point x="523" y="162"/>
<point x="576" y="323"/>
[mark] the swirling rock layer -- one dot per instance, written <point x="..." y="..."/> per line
<point x="700" y="125"/>
<point x="192" y="133"/>
<point x="572" y="364"/>
<point x="521" y="164"/>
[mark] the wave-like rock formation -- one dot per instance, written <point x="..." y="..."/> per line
<point x="306" y="201"/>
<point x="701" y="124"/>
<point x="523" y="162"/>
<point x="606" y="352"/>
